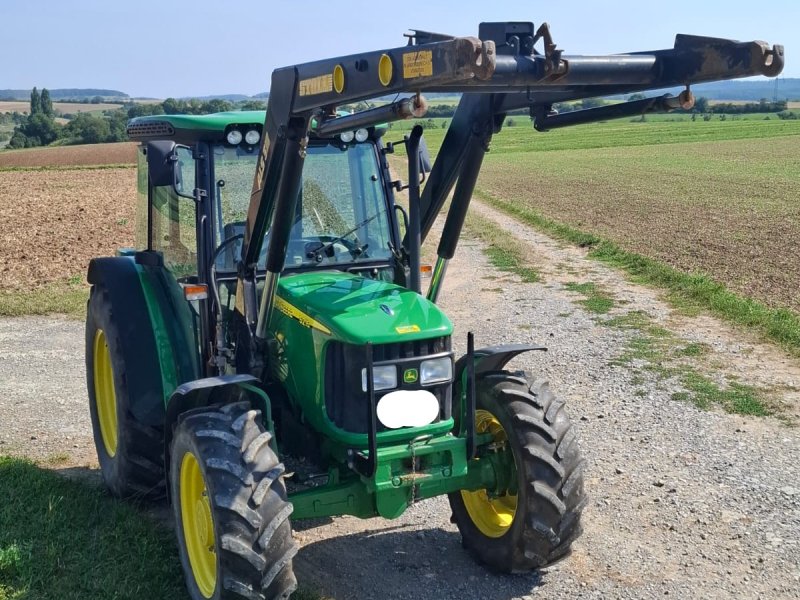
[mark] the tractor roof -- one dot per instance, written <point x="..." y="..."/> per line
<point x="191" y="128"/>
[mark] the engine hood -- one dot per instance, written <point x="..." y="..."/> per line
<point x="356" y="310"/>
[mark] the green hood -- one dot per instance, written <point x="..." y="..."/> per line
<point x="358" y="310"/>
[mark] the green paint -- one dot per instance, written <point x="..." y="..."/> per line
<point x="166" y="360"/>
<point x="443" y="469"/>
<point x="266" y="411"/>
<point x="209" y="127"/>
<point x="173" y="328"/>
<point x="350" y="306"/>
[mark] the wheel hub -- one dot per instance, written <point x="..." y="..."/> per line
<point x="104" y="394"/>
<point x="198" y="525"/>
<point x="202" y="518"/>
<point x="492" y="514"/>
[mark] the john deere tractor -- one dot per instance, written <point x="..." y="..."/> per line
<point x="267" y="352"/>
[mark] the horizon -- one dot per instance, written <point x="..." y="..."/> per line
<point x="225" y="63"/>
<point x="202" y="96"/>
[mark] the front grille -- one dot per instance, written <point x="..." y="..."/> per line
<point x="346" y="402"/>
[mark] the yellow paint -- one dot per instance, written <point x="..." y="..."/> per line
<point x="198" y="525"/>
<point x="417" y="64"/>
<point x="298" y="315"/>
<point x="338" y="79"/>
<point x="385" y="70"/>
<point x="321" y="84"/>
<point x="105" y="396"/>
<point x="492" y="516"/>
<point x="407" y="329"/>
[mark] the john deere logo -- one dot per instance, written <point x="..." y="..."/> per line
<point x="410" y="376"/>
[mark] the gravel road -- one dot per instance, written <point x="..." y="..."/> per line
<point x="684" y="502"/>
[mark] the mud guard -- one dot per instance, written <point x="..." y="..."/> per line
<point x="120" y="278"/>
<point x="491" y="358"/>
<point x="224" y="389"/>
<point x="494" y="358"/>
<point x="157" y="325"/>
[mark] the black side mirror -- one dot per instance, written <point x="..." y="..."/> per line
<point x="183" y="167"/>
<point x="160" y="163"/>
<point x="171" y="164"/>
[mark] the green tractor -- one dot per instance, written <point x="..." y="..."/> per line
<point x="267" y="352"/>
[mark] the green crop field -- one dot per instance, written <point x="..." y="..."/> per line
<point x="715" y="198"/>
<point x="655" y="130"/>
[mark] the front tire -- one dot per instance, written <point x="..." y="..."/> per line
<point x="130" y="453"/>
<point x="230" y="506"/>
<point x="533" y="520"/>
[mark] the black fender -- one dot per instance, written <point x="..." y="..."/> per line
<point x="199" y="394"/>
<point x="491" y="358"/>
<point x="119" y="277"/>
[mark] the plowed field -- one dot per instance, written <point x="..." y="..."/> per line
<point x="54" y="221"/>
<point x="726" y="208"/>
<point x="69" y="156"/>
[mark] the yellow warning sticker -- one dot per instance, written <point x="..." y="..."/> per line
<point x="417" y="64"/>
<point x="407" y="329"/>
<point x="298" y="315"/>
<point x="320" y="84"/>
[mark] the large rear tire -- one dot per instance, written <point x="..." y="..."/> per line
<point x="230" y="506"/>
<point x="533" y="521"/>
<point x="130" y="453"/>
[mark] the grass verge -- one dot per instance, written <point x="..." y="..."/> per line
<point x="595" y="300"/>
<point x="64" y="297"/>
<point x="501" y="249"/>
<point x="654" y="350"/>
<point x="687" y="291"/>
<point x="61" y="539"/>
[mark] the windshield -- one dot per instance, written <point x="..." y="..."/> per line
<point x="341" y="215"/>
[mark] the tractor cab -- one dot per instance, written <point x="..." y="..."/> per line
<point x="345" y="216"/>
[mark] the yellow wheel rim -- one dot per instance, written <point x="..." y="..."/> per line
<point x="198" y="525"/>
<point x="104" y="395"/>
<point x="492" y="516"/>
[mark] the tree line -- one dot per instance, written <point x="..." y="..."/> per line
<point x="40" y="128"/>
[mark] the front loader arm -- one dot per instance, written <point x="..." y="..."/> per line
<point x="537" y="81"/>
<point x="496" y="72"/>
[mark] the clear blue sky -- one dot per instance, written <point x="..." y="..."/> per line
<point x="161" y="48"/>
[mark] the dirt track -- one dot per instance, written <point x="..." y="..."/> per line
<point x="684" y="502"/>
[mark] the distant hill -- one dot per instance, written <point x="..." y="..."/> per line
<point x="228" y="97"/>
<point x="781" y="89"/>
<point x="744" y="89"/>
<point x="65" y="94"/>
<point x="747" y="89"/>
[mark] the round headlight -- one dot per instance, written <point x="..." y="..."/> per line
<point x="234" y="137"/>
<point x="362" y="135"/>
<point x="252" y="137"/>
<point x="347" y="136"/>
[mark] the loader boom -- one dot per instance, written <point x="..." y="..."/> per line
<point x="499" y="71"/>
